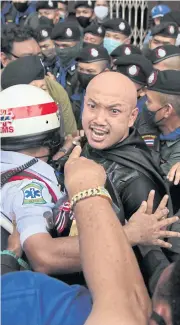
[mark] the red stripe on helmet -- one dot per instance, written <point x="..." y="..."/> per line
<point x="29" y="111"/>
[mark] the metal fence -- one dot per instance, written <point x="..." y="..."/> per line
<point x="136" y="13"/>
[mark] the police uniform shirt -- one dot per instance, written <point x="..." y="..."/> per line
<point x="28" y="198"/>
<point x="170" y="154"/>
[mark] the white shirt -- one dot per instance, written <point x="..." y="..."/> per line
<point x="28" y="198"/>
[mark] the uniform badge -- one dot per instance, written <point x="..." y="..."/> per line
<point x="161" y="53"/>
<point x="149" y="139"/>
<point x="171" y="29"/>
<point x="94" y="53"/>
<point x="69" y="32"/>
<point x="99" y="30"/>
<point x="122" y="26"/>
<point x="133" y="70"/>
<point x="44" y="33"/>
<point x="127" y="50"/>
<point x="33" y="194"/>
<point x="152" y="78"/>
<point x="50" y="3"/>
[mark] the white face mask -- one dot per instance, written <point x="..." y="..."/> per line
<point x="178" y="40"/>
<point x="101" y="12"/>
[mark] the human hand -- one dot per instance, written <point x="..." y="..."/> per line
<point x="14" y="244"/>
<point x="174" y="174"/>
<point x="147" y="229"/>
<point x="69" y="143"/>
<point x="82" y="174"/>
<point x="51" y="76"/>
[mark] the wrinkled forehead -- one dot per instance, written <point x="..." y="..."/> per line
<point x="99" y="95"/>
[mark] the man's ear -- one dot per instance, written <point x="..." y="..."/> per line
<point x="4" y="59"/>
<point x="133" y="117"/>
<point x="169" y="110"/>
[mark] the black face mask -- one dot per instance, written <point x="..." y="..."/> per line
<point x="152" y="116"/>
<point x="21" y="7"/>
<point x="83" y="21"/>
<point x="46" y="21"/>
<point x="84" y="78"/>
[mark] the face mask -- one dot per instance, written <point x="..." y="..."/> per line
<point x="84" y="78"/>
<point x="46" y="21"/>
<point x="83" y="21"/>
<point x="152" y="116"/>
<point x="178" y="40"/>
<point x="68" y="54"/>
<point x="49" y="54"/>
<point x="101" y="12"/>
<point x="21" y="7"/>
<point x="111" y="44"/>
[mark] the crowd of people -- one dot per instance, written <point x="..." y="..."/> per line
<point x="90" y="161"/>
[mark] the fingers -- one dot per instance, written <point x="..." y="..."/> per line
<point x="174" y="174"/>
<point x="163" y="203"/>
<point x="168" y="234"/>
<point x="167" y="222"/>
<point x="150" y="202"/>
<point x="75" y="153"/>
<point x="142" y="207"/>
<point x="161" y="214"/>
<point x="162" y="243"/>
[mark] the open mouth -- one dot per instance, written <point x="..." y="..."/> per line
<point x="98" y="134"/>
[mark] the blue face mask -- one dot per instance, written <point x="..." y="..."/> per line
<point x="111" y="44"/>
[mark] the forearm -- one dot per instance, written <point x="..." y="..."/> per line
<point x="54" y="256"/>
<point x="110" y="279"/>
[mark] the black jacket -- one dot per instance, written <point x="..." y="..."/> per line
<point x="132" y="169"/>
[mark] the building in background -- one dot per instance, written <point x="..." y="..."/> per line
<point x="137" y="13"/>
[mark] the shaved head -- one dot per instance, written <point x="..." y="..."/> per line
<point x="109" y="109"/>
<point x="114" y="84"/>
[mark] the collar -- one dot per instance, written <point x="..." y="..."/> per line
<point x="15" y="159"/>
<point x="172" y="136"/>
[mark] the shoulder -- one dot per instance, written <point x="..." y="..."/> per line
<point x="56" y="91"/>
<point x="27" y="192"/>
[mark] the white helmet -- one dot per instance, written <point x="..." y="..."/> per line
<point x="29" y="118"/>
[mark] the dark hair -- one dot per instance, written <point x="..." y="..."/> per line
<point x="14" y="34"/>
<point x="174" y="296"/>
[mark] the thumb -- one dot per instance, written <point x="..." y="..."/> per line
<point x="75" y="153"/>
<point x="143" y="207"/>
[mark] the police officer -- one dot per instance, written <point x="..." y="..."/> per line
<point x="47" y="46"/>
<point x="67" y="40"/>
<point x="165" y="57"/>
<point x="93" y="34"/>
<point x="92" y="60"/>
<point x="138" y="68"/>
<point x="163" y="34"/>
<point x="84" y="11"/>
<point x="17" y="11"/>
<point x="163" y="94"/>
<point x="63" y="9"/>
<point x="125" y="49"/>
<point x="117" y="33"/>
<point x="48" y="9"/>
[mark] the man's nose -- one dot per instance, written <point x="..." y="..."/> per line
<point x="100" y="117"/>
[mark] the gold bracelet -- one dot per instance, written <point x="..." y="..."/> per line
<point x="98" y="191"/>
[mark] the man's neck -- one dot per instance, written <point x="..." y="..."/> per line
<point x="170" y="126"/>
